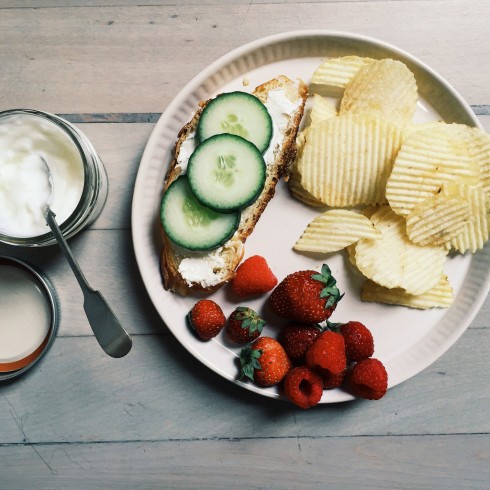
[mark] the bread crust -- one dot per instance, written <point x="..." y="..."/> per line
<point x="233" y="250"/>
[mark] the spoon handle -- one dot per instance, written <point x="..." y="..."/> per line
<point x="106" y="327"/>
<point x="49" y="216"/>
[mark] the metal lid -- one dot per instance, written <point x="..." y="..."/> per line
<point x="29" y="312"/>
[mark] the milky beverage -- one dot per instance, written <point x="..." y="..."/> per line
<point x="24" y="185"/>
<point x="25" y="316"/>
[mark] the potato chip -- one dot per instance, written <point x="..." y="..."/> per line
<point x="300" y="142"/>
<point x="334" y="230"/>
<point x="351" y="254"/>
<point x="384" y="88"/>
<point x="426" y="161"/>
<point x="409" y="129"/>
<point x="298" y="192"/>
<point x="347" y="159"/>
<point x="351" y="249"/>
<point x="294" y="180"/>
<point x="440" y="296"/>
<point x="393" y="261"/>
<point x="479" y="149"/>
<point x="322" y="109"/>
<point x="336" y="73"/>
<point x="476" y="232"/>
<point x="438" y="219"/>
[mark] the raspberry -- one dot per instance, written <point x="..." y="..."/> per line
<point x="253" y="277"/>
<point x="327" y="353"/>
<point x="368" y="379"/>
<point x="331" y="381"/>
<point x="296" y="338"/>
<point x="359" y="342"/>
<point x="303" y="387"/>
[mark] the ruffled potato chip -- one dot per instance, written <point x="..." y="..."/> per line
<point x="440" y="296"/>
<point x="335" y="73"/>
<point x="294" y="180"/>
<point x="393" y="261"/>
<point x="322" y="109"/>
<point x="476" y="231"/>
<point x="384" y="88"/>
<point x="439" y="218"/>
<point x="478" y="143"/>
<point x="346" y="160"/>
<point x="426" y="161"/>
<point x="334" y="230"/>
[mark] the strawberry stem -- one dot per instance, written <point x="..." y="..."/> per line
<point x="249" y="360"/>
<point x="250" y="319"/>
<point x="330" y="291"/>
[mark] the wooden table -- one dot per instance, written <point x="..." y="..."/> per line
<point x="158" y="418"/>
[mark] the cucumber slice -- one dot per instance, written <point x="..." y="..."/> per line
<point x="226" y="172"/>
<point x="237" y="113"/>
<point x="190" y="224"/>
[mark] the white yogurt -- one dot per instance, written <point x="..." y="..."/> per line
<point x="24" y="188"/>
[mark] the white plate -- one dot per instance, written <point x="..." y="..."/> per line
<point x="406" y="340"/>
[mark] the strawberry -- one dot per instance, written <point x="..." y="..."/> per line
<point x="327" y="354"/>
<point x="368" y="379"/>
<point x="206" y="318"/>
<point x="303" y="387"/>
<point x="306" y="296"/>
<point x="244" y="325"/>
<point x="296" y="338"/>
<point x="253" y="277"/>
<point x="359" y="343"/>
<point x="264" y="361"/>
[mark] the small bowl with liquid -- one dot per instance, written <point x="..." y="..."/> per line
<point x="29" y="315"/>
<point x="79" y="177"/>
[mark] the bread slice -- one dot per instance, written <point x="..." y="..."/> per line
<point x="184" y="271"/>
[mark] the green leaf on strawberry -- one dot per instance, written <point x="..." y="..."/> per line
<point x="249" y="360"/>
<point x="250" y="320"/>
<point x="330" y="290"/>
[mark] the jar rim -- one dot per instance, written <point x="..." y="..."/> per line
<point x="86" y="152"/>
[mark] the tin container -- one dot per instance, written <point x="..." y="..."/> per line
<point x="95" y="185"/>
<point x="29" y="311"/>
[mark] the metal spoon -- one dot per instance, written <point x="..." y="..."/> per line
<point x="106" y="327"/>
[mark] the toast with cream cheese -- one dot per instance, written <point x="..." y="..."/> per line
<point x="184" y="271"/>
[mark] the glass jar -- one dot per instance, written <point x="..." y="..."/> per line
<point x="95" y="184"/>
<point x="25" y="337"/>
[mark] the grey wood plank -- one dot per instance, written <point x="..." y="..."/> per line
<point x="121" y="146"/>
<point x="108" y="262"/>
<point x="433" y="462"/>
<point x="107" y="259"/>
<point x="123" y="59"/>
<point x="160" y="392"/>
<point x="18" y="4"/>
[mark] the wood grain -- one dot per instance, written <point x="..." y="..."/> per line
<point x="123" y="59"/>
<point x="433" y="462"/>
<point x="159" y="392"/>
<point x="158" y="418"/>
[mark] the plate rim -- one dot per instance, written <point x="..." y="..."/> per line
<point x="193" y="84"/>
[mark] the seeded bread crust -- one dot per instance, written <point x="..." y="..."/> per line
<point x="233" y="250"/>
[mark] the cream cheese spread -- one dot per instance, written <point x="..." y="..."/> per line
<point x="206" y="270"/>
<point x="209" y="269"/>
